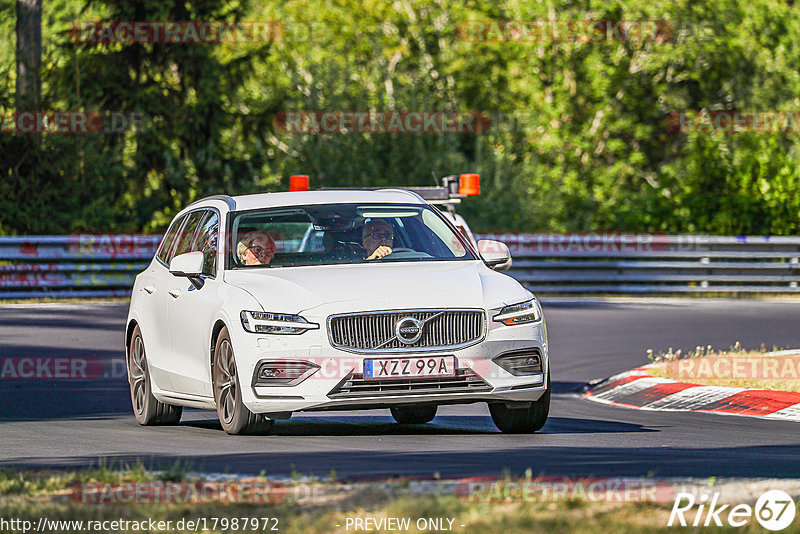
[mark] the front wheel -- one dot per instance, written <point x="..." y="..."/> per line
<point x="233" y="414"/>
<point x="414" y="415"/>
<point x="525" y="420"/>
<point x="146" y="408"/>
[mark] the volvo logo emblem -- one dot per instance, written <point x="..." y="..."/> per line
<point x="408" y="330"/>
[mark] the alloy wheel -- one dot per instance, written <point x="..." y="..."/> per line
<point x="138" y="375"/>
<point x="225" y="382"/>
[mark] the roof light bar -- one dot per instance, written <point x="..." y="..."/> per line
<point x="298" y="182"/>
<point x="469" y="184"/>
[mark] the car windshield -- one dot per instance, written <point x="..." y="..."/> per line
<point x="342" y="233"/>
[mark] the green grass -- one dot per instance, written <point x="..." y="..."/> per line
<point x="45" y="482"/>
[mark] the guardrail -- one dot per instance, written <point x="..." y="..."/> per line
<point x="76" y="266"/>
<point x="649" y="263"/>
<point x="91" y="265"/>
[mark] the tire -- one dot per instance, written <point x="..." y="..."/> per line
<point x="147" y="410"/>
<point x="521" y="420"/>
<point x="414" y="415"/>
<point x="236" y="419"/>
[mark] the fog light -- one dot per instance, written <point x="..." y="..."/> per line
<point x="269" y="372"/>
<point x="282" y="372"/>
<point x="521" y="363"/>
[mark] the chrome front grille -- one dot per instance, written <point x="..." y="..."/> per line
<point x="465" y="381"/>
<point x="375" y="332"/>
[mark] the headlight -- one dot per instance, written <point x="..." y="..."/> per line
<point x="522" y="313"/>
<point x="275" y="323"/>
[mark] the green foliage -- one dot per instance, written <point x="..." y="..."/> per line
<point x="589" y="150"/>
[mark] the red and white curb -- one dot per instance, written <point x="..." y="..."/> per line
<point x="637" y="389"/>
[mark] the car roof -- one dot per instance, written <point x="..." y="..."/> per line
<point x="299" y="198"/>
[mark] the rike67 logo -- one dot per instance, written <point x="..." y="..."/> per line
<point x="774" y="510"/>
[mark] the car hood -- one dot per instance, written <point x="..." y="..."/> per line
<point x="382" y="286"/>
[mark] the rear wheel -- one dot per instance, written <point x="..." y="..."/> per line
<point x="233" y="414"/>
<point x="526" y="419"/>
<point x="414" y="415"/>
<point x="146" y="408"/>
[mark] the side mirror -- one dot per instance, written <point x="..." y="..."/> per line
<point x="189" y="265"/>
<point x="494" y="253"/>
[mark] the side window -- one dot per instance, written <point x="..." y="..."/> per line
<point x="206" y="242"/>
<point x="186" y="235"/>
<point x="169" y="239"/>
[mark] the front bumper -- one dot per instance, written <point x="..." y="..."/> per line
<point x="338" y="383"/>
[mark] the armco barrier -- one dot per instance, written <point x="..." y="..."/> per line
<point x="91" y="265"/>
<point x="76" y="266"/>
<point x="651" y="263"/>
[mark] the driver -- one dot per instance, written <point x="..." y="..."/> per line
<point x="377" y="238"/>
<point x="255" y="248"/>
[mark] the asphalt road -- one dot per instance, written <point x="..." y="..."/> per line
<point x="60" y="423"/>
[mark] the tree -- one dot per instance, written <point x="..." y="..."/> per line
<point x="29" y="53"/>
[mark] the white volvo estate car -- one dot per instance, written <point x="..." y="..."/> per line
<point x="386" y="306"/>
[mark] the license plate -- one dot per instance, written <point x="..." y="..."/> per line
<point x="411" y="367"/>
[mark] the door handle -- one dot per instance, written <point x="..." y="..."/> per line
<point x="175" y="292"/>
<point x="149" y="289"/>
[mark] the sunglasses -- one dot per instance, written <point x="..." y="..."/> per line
<point x="380" y="235"/>
<point x="260" y="251"/>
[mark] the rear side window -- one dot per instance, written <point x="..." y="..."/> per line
<point x="169" y="239"/>
<point x="206" y="242"/>
<point x="185" y="237"/>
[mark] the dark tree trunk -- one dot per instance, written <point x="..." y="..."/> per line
<point x="29" y="53"/>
